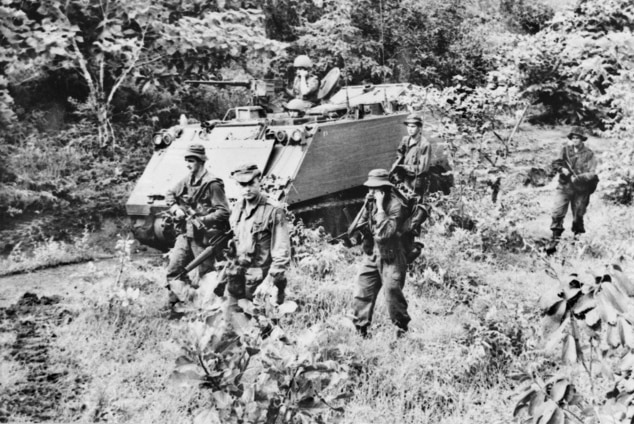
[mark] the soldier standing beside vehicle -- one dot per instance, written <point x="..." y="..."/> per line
<point x="413" y="157"/>
<point x="201" y="211"/>
<point x="262" y="241"/>
<point x="576" y="166"/>
<point x="411" y="172"/>
<point x="384" y="262"/>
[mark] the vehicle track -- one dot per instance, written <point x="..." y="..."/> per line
<point x="46" y="385"/>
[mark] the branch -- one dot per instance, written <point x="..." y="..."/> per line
<point x="133" y="64"/>
<point x="84" y="70"/>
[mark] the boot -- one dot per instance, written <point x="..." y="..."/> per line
<point x="551" y="248"/>
<point x="363" y="331"/>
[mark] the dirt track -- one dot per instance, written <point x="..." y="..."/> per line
<point x="32" y="321"/>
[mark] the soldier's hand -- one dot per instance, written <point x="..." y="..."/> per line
<point x="379" y="195"/>
<point x="177" y="211"/>
<point x="565" y="171"/>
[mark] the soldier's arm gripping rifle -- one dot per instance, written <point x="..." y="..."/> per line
<point x="215" y="243"/>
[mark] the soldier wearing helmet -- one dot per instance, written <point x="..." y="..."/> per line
<point x="200" y="208"/>
<point x="384" y="263"/>
<point x="413" y="157"/>
<point x="576" y="166"/>
<point x="305" y="85"/>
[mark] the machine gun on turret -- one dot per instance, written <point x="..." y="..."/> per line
<point x="261" y="90"/>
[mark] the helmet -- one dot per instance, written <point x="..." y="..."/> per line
<point x="302" y="61"/>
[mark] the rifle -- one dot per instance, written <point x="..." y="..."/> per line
<point x="396" y="164"/>
<point x="191" y="216"/>
<point x="214" y="243"/>
<point x="345" y="236"/>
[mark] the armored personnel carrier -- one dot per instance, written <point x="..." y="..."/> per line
<point x="314" y="160"/>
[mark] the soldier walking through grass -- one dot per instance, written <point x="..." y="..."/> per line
<point x="262" y="242"/>
<point x="201" y="212"/>
<point x="576" y="166"/>
<point x="384" y="262"/>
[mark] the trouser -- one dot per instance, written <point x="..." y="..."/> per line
<point x="374" y="273"/>
<point x="578" y="202"/>
<point x="178" y="282"/>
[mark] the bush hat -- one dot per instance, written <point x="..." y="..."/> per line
<point x="578" y="131"/>
<point x="378" y="178"/>
<point x="196" y="151"/>
<point x="245" y="173"/>
<point x="414" y="119"/>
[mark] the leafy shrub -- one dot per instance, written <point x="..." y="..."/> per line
<point x="530" y="17"/>
<point x="592" y="323"/>
<point x="570" y="66"/>
<point x="254" y="373"/>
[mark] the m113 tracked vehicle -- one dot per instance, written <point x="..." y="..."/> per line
<point x="314" y="160"/>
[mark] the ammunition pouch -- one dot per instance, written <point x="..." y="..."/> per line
<point x="235" y="276"/>
<point x="586" y="185"/>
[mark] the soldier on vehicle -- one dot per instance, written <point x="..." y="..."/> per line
<point x="262" y="242"/>
<point x="305" y="86"/>
<point x="576" y="166"/>
<point x="201" y="212"/>
<point x="384" y="262"/>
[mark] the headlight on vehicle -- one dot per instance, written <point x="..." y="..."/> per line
<point x="168" y="137"/>
<point x="157" y="140"/>
<point x="281" y="136"/>
<point x="297" y="136"/>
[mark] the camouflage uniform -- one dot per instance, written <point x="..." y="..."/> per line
<point x="384" y="262"/>
<point x="206" y="196"/>
<point x="583" y="164"/>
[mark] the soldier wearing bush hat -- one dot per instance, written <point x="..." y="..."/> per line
<point x="576" y="166"/>
<point x="413" y="157"/>
<point x="261" y="240"/>
<point x="200" y="211"/>
<point x="384" y="263"/>
<point x="196" y="151"/>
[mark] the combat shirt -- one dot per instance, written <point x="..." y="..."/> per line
<point x="313" y="86"/>
<point x="414" y="154"/>
<point x="384" y="227"/>
<point x="261" y="232"/>
<point x="582" y="162"/>
<point x="205" y="194"/>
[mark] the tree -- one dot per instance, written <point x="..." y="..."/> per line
<point x="571" y="66"/>
<point x="112" y="43"/>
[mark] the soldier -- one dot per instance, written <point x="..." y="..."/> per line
<point x="384" y="262"/>
<point x="411" y="171"/>
<point x="262" y="240"/>
<point x="413" y="157"/>
<point x="576" y="166"/>
<point x="200" y="208"/>
<point x="305" y="86"/>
